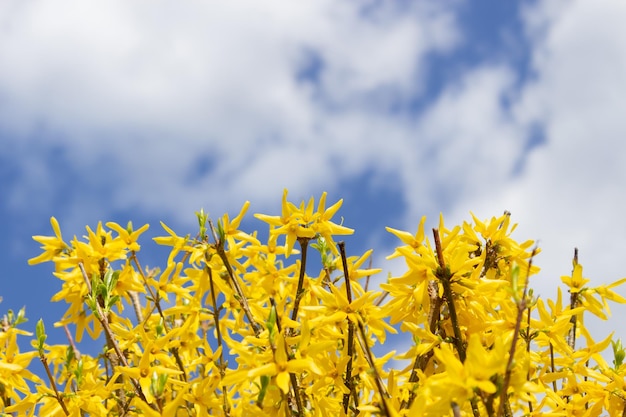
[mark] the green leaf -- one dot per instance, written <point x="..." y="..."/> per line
<point x="271" y="324"/>
<point x="92" y="304"/>
<point x="110" y="280"/>
<point x="265" y="382"/>
<point x="112" y="301"/>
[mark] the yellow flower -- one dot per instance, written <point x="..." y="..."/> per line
<point x="144" y="373"/>
<point x="51" y="245"/>
<point x="102" y="245"/>
<point x="279" y="368"/>
<point x="410" y="240"/>
<point x="302" y="222"/>
<point x="176" y="242"/>
<point x="14" y="366"/>
<point x="128" y="236"/>
<point x="576" y="281"/>
<point x="231" y="228"/>
<point x="354" y="264"/>
<point x="324" y="227"/>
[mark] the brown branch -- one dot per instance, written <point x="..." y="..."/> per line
<point x="110" y="336"/>
<point x="57" y="395"/>
<point x="521" y="306"/>
<point x="348" y="377"/>
<point x="292" y="376"/>
<point x="157" y="303"/>
<point x="456" y="410"/>
<point x="68" y="334"/>
<point x="133" y="257"/>
<point x="574" y="300"/>
<point x="421" y="361"/>
<point x="445" y="277"/>
<point x="304" y="244"/>
<point x="216" y="319"/>
<point x="384" y="395"/>
<point x="528" y="340"/>
<point x="134" y="300"/>
<point x="381" y="298"/>
<point x="241" y="297"/>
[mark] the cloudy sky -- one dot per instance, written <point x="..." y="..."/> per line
<point x="148" y="111"/>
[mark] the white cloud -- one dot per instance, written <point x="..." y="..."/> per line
<point x="156" y="87"/>
<point x="571" y="190"/>
<point x="469" y="143"/>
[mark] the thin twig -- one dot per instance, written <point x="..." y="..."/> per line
<point x="134" y="298"/>
<point x="528" y="339"/>
<point x="456" y="410"/>
<point x="381" y="298"/>
<point x="70" y="339"/>
<point x="421" y="361"/>
<point x="57" y="395"/>
<point x="445" y="277"/>
<point x="110" y="337"/>
<point x="157" y="302"/>
<point x="384" y="395"/>
<point x="216" y="319"/>
<point x="368" y="277"/>
<point x="292" y="376"/>
<point x="552" y="366"/>
<point x="521" y="306"/>
<point x="154" y="296"/>
<point x="241" y="297"/>
<point x="348" y="377"/>
<point x="571" y="336"/>
<point x="304" y="244"/>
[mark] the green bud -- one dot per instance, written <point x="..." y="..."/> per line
<point x="78" y="372"/>
<point x="515" y="280"/>
<point x="21" y="317"/>
<point x="618" y="353"/>
<point x="202" y="219"/>
<point x="40" y="333"/>
<point x="220" y="232"/>
<point x="160" y="329"/>
<point x="157" y="384"/>
<point x="69" y="356"/>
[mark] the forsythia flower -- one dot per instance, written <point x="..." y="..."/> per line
<point x="52" y="245"/>
<point x="235" y="326"/>
<point x="302" y="222"/>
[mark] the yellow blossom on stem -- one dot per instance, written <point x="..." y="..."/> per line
<point x="233" y="326"/>
<point x="52" y="245"/>
<point x="128" y="235"/>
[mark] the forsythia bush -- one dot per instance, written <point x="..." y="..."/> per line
<point x="237" y="327"/>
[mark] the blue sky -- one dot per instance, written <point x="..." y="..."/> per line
<point x="148" y="111"/>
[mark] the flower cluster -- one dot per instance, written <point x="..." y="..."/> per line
<point x="233" y="326"/>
